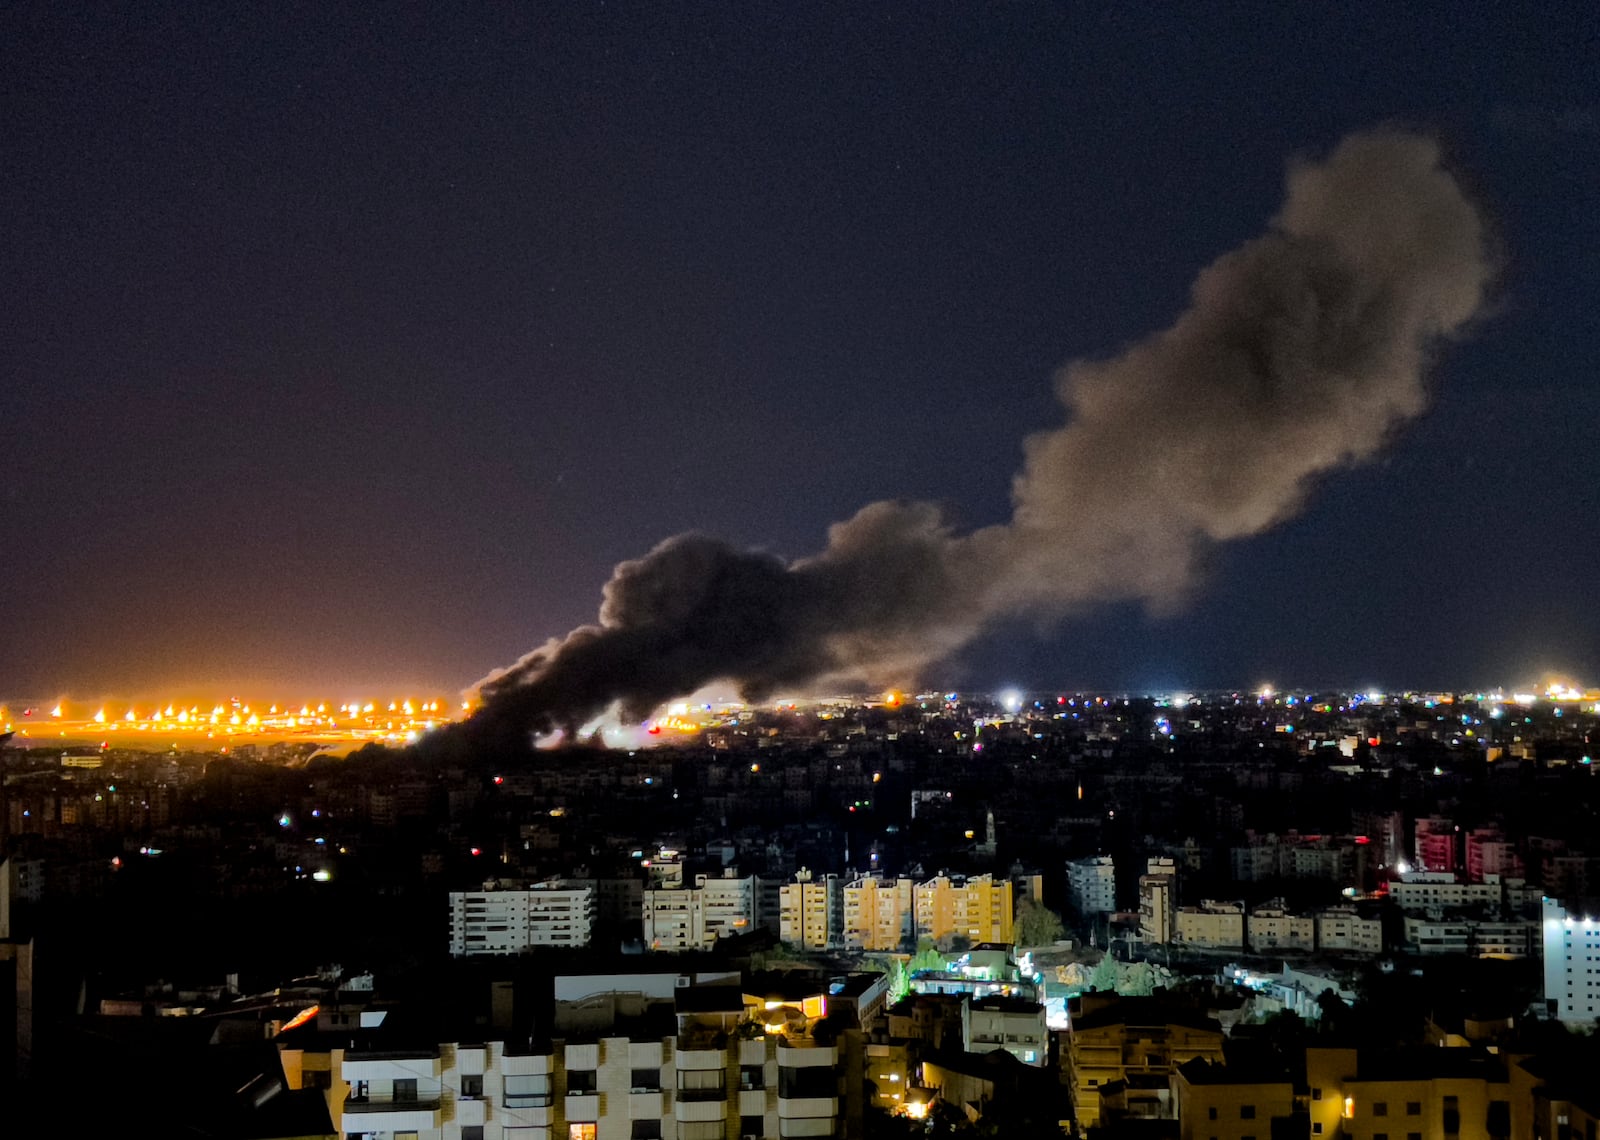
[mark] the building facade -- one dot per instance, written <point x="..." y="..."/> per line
<point x="511" y="920"/>
<point x="1092" y="885"/>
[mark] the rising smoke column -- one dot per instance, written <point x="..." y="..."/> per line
<point x="1300" y="353"/>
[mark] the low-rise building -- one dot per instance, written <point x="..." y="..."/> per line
<point x="1211" y="926"/>
<point x="1216" y="1102"/>
<point x="1343" y="930"/>
<point x="1112" y="1037"/>
<point x="1012" y="1024"/>
<point x="1272" y="928"/>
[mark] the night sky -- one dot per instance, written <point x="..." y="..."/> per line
<point x="346" y="349"/>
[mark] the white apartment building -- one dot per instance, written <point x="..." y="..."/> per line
<point x="735" y="1067"/>
<point x="1480" y="938"/>
<point x="693" y="918"/>
<point x="1440" y="890"/>
<point x="1092" y="885"/>
<point x="1341" y="929"/>
<point x="1272" y="928"/>
<point x="1571" y="963"/>
<point x="509" y="919"/>
<point x="1011" y="1024"/>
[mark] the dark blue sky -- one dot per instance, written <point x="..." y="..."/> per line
<point x="352" y="348"/>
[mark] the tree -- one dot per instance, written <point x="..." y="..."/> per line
<point x="1104" y="977"/>
<point x="927" y="959"/>
<point x="1036" y="925"/>
<point x="1137" y="979"/>
<point x="899" y="981"/>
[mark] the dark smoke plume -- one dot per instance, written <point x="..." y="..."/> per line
<point x="1300" y="352"/>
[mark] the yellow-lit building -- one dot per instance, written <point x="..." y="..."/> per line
<point x="1211" y="925"/>
<point x="808" y="911"/>
<point x="979" y="908"/>
<point x="888" y="1073"/>
<point x="1113" y="1038"/>
<point x="1218" y="1103"/>
<point x="878" y="913"/>
<point x="1414" y="1094"/>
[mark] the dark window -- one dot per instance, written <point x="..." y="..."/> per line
<point x="646" y="1080"/>
<point x="1380" y="1108"/>
<point x="647" y="1130"/>
<point x="472" y="1086"/>
<point x="316" y="1079"/>
<point x="472" y="1132"/>
<point x="1498" y="1124"/>
<point x="701" y="1084"/>
<point x="1247" y="1112"/>
<point x="405" y="1089"/>
<point x="1413" y="1108"/>
<point x="813" y="1081"/>
<point x="1452" y="1116"/>
<point x="1316" y="1094"/>
<point x="1211" y="1113"/>
<point x="1316" y="1128"/>
<point x="752" y="1125"/>
<point x="1380" y="1136"/>
<point x="1413" y="1136"/>
<point x="581" y="1082"/>
<point x="752" y="1076"/>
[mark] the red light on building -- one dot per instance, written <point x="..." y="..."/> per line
<point x="1363" y="840"/>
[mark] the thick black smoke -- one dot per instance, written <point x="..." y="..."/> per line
<point x="1300" y="352"/>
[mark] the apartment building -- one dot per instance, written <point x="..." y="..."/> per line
<point x="636" y="1057"/>
<point x="1158" y="901"/>
<point x="1343" y="930"/>
<point x="1272" y="928"/>
<point x="509" y="918"/>
<point x="693" y="918"/>
<point x="980" y="908"/>
<point x="1571" y="944"/>
<point x="1211" y="926"/>
<point x="1092" y="885"/>
<point x="1114" y="1038"/>
<point x="811" y="911"/>
<point x="1012" y="1024"/>
<point x="879" y="914"/>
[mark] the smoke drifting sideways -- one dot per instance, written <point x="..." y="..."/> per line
<point x="1300" y="353"/>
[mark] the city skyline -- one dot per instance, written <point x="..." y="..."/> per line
<point x="292" y="412"/>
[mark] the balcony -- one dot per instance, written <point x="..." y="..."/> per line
<point x="800" y="1108"/>
<point x="694" y="1111"/>
<point x="390" y="1066"/>
<point x="701" y="1058"/>
<point x="374" y="1114"/>
<point x="697" y="1096"/>
<point x="645" y="1105"/>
